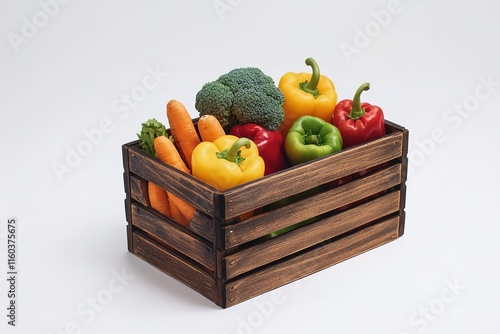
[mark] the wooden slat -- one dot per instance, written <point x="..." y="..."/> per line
<point x="126" y="183"/>
<point x="173" y="235"/>
<point x="202" y="225"/>
<point x="139" y="190"/>
<point x="181" y="184"/>
<point x="210" y="255"/>
<point x="285" y="183"/>
<point x="297" y="240"/>
<point x="174" y="266"/>
<point x="326" y="201"/>
<point x="404" y="171"/>
<point x="312" y="261"/>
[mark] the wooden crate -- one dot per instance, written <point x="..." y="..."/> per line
<point x="357" y="197"/>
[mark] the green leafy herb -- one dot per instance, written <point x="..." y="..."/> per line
<point x="150" y="130"/>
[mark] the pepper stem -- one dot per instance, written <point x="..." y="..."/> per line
<point x="233" y="154"/>
<point x="311" y="86"/>
<point x="356" y="110"/>
<point x="312" y="139"/>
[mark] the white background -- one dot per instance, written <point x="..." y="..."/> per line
<point x="66" y="69"/>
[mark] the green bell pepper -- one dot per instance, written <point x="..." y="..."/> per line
<point x="311" y="137"/>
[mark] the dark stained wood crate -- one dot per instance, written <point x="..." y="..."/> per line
<point x="355" y="199"/>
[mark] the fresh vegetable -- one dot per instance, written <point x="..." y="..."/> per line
<point x="158" y="198"/>
<point x="149" y="131"/>
<point x="243" y="95"/>
<point x="227" y="162"/>
<point x="306" y="94"/>
<point x="271" y="145"/>
<point x="182" y="129"/>
<point x="177" y="215"/>
<point x="358" y="122"/>
<point x="311" y="137"/>
<point x="210" y="128"/>
<point x="167" y="152"/>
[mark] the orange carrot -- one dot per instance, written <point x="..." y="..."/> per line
<point x="176" y="213"/>
<point x="167" y="152"/>
<point x="182" y="129"/>
<point x="158" y="199"/>
<point x="182" y="212"/>
<point x="210" y="128"/>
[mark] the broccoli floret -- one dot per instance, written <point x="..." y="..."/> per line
<point x="216" y="99"/>
<point x="245" y="78"/>
<point x="255" y="106"/>
<point x="243" y="95"/>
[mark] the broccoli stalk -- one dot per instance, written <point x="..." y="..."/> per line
<point x="243" y="95"/>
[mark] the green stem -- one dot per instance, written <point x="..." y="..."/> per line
<point x="310" y="138"/>
<point x="356" y="111"/>
<point x="311" y="86"/>
<point x="234" y="153"/>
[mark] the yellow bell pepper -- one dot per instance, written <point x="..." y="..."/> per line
<point x="306" y="94"/>
<point x="227" y="162"/>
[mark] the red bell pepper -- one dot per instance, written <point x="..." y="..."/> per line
<point x="270" y="144"/>
<point x="358" y="122"/>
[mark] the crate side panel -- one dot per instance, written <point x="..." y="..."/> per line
<point x="313" y="261"/>
<point x="404" y="171"/>
<point x="202" y="225"/>
<point x="175" y="267"/>
<point x="181" y="184"/>
<point x="323" y="170"/>
<point x="139" y="190"/>
<point x="310" y="235"/>
<point x="126" y="183"/>
<point x="172" y="235"/>
<point x="325" y="201"/>
<point x="128" y="216"/>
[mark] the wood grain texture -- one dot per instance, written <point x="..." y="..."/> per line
<point x="326" y="169"/>
<point x="139" y="190"/>
<point x="230" y="261"/>
<point x="310" y="235"/>
<point x="312" y="261"/>
<point x="185" y="186"/>
<point x="172" y="235"/>
<point x="126" y="183"/>
<point x="202" y="225"/>
<point x="404" y="161"/>
<point x="275" y="220"/>
<point x="174" y="266"/>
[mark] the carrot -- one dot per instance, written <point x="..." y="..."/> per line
<point x="210" y="128"/>
<point x="158" y="199"/>
<point x="176" y="214"/>
<point x="182" y="129"/>
<point x="182" y="212"/>
<point x="167" y="152"/>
